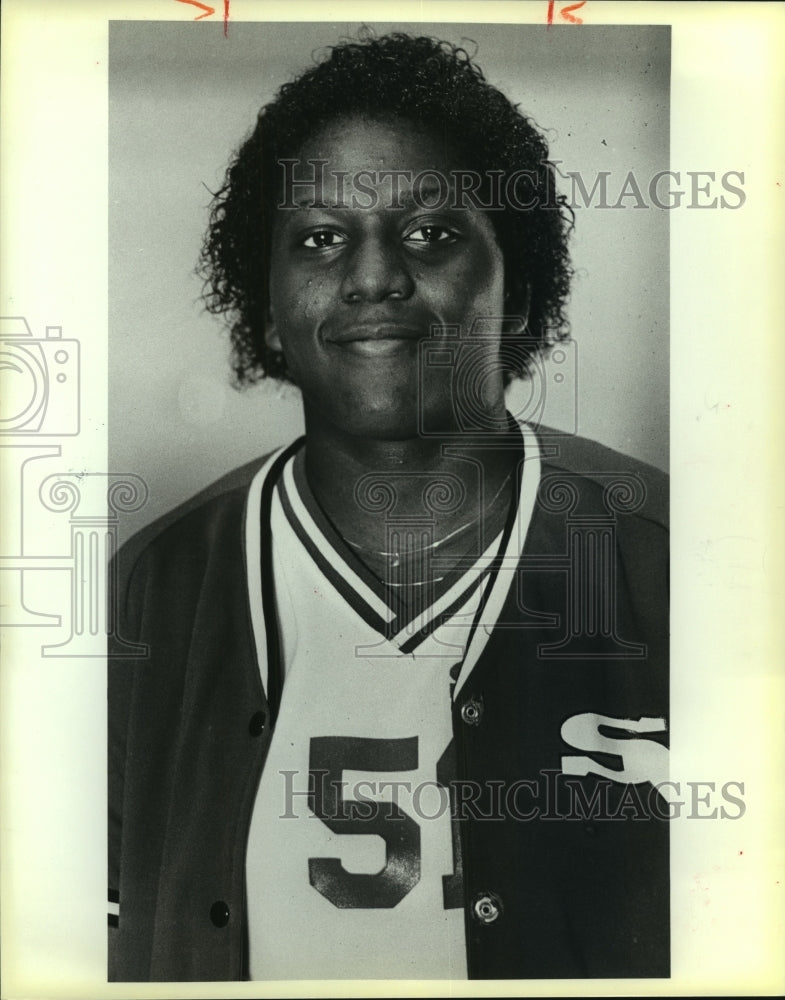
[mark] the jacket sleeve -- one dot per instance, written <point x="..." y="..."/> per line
<point x="122" y="671"/>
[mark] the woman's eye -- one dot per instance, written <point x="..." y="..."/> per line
<point x="323" y="238"/>
<point x="431" y="234"/>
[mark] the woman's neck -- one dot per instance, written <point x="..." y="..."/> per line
<point x="421" y="488"/>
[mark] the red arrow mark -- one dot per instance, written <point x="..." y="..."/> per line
<point x="207" y="10"/>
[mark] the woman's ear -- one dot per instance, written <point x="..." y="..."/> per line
<point x="525" y="304"/>
<point x="271" y="336"/>
<point x="517" y="315"/>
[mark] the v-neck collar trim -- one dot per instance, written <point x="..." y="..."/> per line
<point x="367" y="596"/>
<point x="493" y="572"/>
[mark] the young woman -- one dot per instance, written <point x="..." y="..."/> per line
<point x="403" y="712"/>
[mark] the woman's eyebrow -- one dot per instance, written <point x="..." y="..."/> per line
<point x="305" y="202"/>
<point x="440" y="192"/>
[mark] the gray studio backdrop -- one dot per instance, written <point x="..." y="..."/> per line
<point x="182" y="97"/>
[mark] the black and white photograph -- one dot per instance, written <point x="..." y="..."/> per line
<point x="397" y="671"/>
<point x="405" y="678"/>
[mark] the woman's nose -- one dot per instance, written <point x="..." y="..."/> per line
<point x="375" y="271"/>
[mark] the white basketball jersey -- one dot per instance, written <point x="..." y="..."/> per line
<point x="353" y="864"/>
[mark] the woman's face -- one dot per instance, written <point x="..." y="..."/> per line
<point x="375" y="297"/>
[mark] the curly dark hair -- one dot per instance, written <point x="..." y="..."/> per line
<point x="432" y="84"/>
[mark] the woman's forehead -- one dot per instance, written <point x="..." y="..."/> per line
<point x="391" y="140"/>
<point x="366" y="163"/>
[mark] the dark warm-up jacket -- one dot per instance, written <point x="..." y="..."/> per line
<point x="570" y="880"/>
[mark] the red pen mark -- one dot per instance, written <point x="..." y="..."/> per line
<point x="566" y="12"/>
<point x="207" y="10"/>
<point x="568" y="16"/>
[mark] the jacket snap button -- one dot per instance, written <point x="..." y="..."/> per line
<point x="487" y="907"/>
<point x="256" y="725"/>
<point x="471" y="711"/>
<point x="219" y="913"/>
